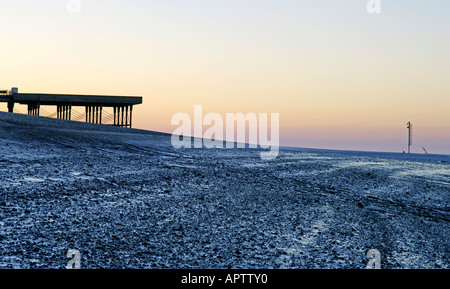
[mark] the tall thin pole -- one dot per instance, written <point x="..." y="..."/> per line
<point x="409" y="126"/>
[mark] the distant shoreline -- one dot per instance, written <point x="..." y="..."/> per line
<point x="443" y="158"/>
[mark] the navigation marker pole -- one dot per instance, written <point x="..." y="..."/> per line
<point x="409" y="127"/>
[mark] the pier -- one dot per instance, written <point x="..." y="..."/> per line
<point x="93" y="104"/>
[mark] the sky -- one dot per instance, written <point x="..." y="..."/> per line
<point x="339" y="76"/>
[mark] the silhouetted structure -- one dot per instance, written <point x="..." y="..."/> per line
<point x="94" y="104"/>
<point x="409" y="127"/>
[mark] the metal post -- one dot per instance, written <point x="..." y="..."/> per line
<point x="409" y="126"/>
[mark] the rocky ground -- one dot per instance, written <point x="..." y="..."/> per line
<point x="126" y="199"/>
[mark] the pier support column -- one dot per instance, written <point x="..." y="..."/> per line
<point x="33" y="109"/>
<point x="89" y="118"/>
<point x="64" y="112"/>
<point x="91" y="114"/>
<point x="115" y="114"/>
<point x="131" y="114"/>
<point x="100" y="113"/>
<point x="123" y="115"/>
<point x="94" y="114"/>
<point x="11" y="106"/>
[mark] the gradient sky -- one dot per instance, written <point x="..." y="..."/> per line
<point x="339" y="77"/>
